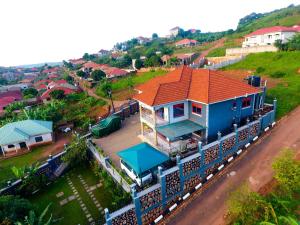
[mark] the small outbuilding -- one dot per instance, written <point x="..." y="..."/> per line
<point x="25" y="134"/>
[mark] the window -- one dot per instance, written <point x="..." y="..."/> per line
<point x="197" y="109"/>
<point x="234" y="105"/>
<point x="10" y="146"/>
<point x="178" y="110"/>
<point x="39" y="139"/>
<point x="246" y="102"/>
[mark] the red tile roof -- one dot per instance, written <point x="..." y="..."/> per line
<point x="186" y="42"/>
<point x="51" y="70"/>
<point x="67" y="91"/>
<point x="114" y="72"/>
<point x="5" y="101"/>
<point x="202" y="85"/>
<point x="41" y="86"/>
<point x="272" y="30"/>
<point x="16" y="94"/>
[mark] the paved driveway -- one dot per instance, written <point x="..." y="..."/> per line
<point x="126" y="137"/>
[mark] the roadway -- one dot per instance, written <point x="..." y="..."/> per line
<point x="254" y="167"/>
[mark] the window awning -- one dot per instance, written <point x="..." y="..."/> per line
<point x="142" y="157"/>
<point x="175" y="130"/>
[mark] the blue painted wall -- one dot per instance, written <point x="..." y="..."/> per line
<point x="222" y="115"/>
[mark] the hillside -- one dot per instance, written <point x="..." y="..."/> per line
<point x="284" y="67"/>
<point x="283" y="17"/>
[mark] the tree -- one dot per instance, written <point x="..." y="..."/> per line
<point x="14" y="106"/>
<point x="245" y="207"/>
<point x="76" y="152"/>
<point x="80" y="73"/>
<point x="130" y="84"/>
<point x="13" y="208"/>
<point x="106" y="87"/>
<point x="138" y="64"/>
<point x="30" y="93"/>
<point x="57" y="94"/>
<point x="153" y="61"/>
<point x="33" y="219"/>
<point x="154" y="36"/>
<point x="287" y="171"/>
<point x="97" y="75"/>
<point x="3" y="81"/>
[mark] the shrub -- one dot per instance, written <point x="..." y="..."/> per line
<point x="278" y="74"/>
<point x="260" y="69"/>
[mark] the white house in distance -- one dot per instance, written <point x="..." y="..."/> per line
<point x="25" y="134"/>
<point x="268" y="36"/>
<point x="174" y="31"/>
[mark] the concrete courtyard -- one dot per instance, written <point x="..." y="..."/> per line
<point x="124" y="138"/>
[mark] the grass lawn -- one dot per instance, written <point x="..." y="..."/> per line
<point x="277" y="64"/>
<point x="20" y="161"/>
<point x="71" y="213"/>
<point x="140" y="78"/>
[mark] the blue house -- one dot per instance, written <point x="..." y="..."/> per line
<point x="190" y="105"/>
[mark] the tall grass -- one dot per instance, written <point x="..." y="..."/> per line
<point x="286" y="92"/>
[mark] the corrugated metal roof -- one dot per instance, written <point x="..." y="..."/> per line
<point x="23" y="130"/>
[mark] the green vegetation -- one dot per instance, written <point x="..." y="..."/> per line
<point x="277" y="64"/>
<point x="217" y="52"/>
<point x="30" y="93"/>
<point x="6" y="172"/>
<point x="13" y="208"/>
<point x="277" y="207"/>
<point x="124" y="83"/>
<point x="97" y="75"/>
<point x="57" y="94"/>
<point x="284" y="17"/>
<point x="73" y="108"/>
<point x="291" y="45"/>
<point x="76" y="153"/>
<point x="71" y="213"/>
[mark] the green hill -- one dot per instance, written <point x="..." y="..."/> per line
<point x="283" y="17"/>
<point x="282" y="66"/>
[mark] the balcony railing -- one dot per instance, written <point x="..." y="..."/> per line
<point x="148" y="117"/>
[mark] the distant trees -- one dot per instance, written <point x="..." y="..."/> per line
<point x="154" y="36"/>
<point x="292" y="45"/>
<point x="97" y="75"/>
<point x="30" y="93"/>
<point x="138" y="64"/>
<point x="57" y="94"/>
<point x="3" y="81"/>
<point x="153" y="61"/>
<point x="80" y="73"/>
<point x="88" y="57"/>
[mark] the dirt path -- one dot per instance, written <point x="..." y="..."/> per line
<point x="91" y="91"/>
<point x="254" y="168"/>
<point x="218" y="44"/>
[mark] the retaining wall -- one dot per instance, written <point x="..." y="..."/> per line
<point x="176" y="183"/>
<point x="48" y="169"/>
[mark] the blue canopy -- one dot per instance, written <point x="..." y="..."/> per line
<point x="142" y="157"/>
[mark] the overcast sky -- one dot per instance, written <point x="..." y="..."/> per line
<point x="37" y="31"/>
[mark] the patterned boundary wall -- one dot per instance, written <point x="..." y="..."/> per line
<point x="176" y="183"/>
<point x="48" y="169"/>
